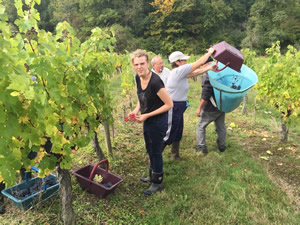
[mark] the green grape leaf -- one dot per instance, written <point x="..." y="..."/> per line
<point x="18" y="83"/>
<point x="66" y="162"/>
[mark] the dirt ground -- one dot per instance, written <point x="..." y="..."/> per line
<point x="281" y="161"/>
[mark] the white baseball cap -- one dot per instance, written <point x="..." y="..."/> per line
<point x="177" y="55"/>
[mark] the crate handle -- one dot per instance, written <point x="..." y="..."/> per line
<point x="26" y="174"/>
<point x="35" y="169"/>
<point x="218" y="70"/>
<point x="93" y="171"/>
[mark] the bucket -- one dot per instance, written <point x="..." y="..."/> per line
<point x="230" y="87"/>
<point x="85" y="175"/>
<point x="46" y="193"/>
<point x="228" y="55"/>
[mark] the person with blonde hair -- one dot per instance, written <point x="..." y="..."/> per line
<point x="153" y="104"/>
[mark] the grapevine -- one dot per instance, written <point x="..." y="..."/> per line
<point x="280" y="80"/>
<point x="56" y="92"/>
<point x="128" y="82"/>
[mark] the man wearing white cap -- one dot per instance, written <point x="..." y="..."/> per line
<point x="177" y="87"/>
<point x="158" y="68"/>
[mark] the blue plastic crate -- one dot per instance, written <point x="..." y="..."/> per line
<point x="230" y="87"/>
<point x="38" y="197"/>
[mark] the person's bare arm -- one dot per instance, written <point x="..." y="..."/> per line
<point x="132" y="115"/>
<point x="203" y="69"/>
<point x="202" y="59"/>
<point x="200" y="107"/>
<point x="168" y="104"/>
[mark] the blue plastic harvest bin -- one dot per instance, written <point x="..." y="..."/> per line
<point x="32" y="200"/>
<point x="230" y="87"/>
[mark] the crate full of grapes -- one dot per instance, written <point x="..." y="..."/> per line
<point x="32" y="191"/>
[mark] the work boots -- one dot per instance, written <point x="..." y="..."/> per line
<point x="201" y="150"/>
<point x="156" y="185"/>
<point x="175" y="150"/>
<point x="147" y="179"/>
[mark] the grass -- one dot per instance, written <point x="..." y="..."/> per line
<point x="234" y="187"/>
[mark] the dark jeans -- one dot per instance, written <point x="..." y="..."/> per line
<point x="154" y="131"/>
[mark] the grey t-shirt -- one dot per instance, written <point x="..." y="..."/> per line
<point x="178" y="85"/>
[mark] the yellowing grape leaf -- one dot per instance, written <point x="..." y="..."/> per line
<point x="269" y="152"/>
<point x="233" y="125"/>
<point x="264" y="157"/>
<point x="23" y="119"/>
<point x="195" y="120"/>
<point x="15" y="93"/>
<point x="46" y="172"/>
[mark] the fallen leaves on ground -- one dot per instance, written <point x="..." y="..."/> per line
<point x="264" y="157"/>
<point x="291" y="149"/>
<point x="232" y="164"/>
<point x="269" y="152"/>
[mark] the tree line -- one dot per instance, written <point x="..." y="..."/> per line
<point x="162" y="26"/>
